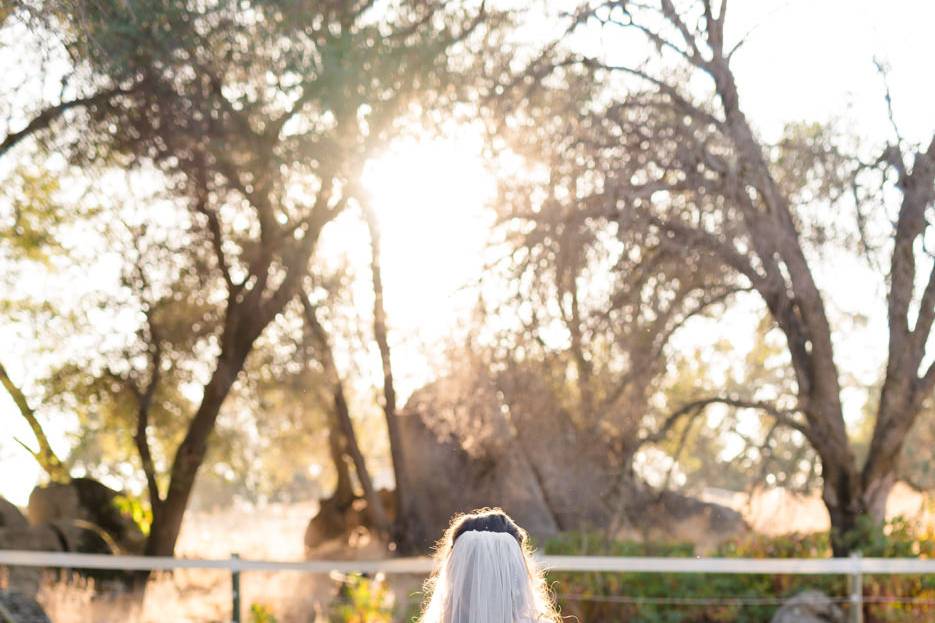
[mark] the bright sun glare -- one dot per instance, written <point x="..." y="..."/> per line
<point x="432" y="199"/>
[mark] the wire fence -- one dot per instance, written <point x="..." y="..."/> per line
<point x="854" y="568"/>
<point x="730" y="600"/>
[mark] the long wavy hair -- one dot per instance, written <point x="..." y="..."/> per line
<point x="485" y="573"/>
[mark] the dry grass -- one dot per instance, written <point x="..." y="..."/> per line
<point x="197" y="596"/>
<point x="777" y="511"/>
<point x="204" y="596"/>
<point x="276" y="533"/>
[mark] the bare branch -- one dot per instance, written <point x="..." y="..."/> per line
<point x="884" y="74"/>
<point x="918" y="188"/>
<point x="671" y="14"/>
<point x="927" y="383"/>
<point x="653" y="36"/>
<point x="664" y="87"/>
<point x="714" y="25"/>
<point x="706" y="241"/>
<point x="782" y="416"/>
<point x="214" y="229"/>
<point x="923" y="326"/>
<point x="43" y="120"/>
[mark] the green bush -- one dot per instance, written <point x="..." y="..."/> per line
<point x="362" y="600"/>
<point x="134" y="508"/>
<point x="260" y="613"/>
<point x="706" y="598"/>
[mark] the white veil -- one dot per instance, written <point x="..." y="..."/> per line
<point x="485" y="580"/>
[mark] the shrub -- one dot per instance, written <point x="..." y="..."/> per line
<point x="260" y="613"/>
<point x="134" y="508"/>
<point x="597" y="597"/>
<point x="363" y="600"/>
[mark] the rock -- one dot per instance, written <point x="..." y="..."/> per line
<point x="589" y="487"/>
<point x="26" y="580"/>
<point x="81" y="516"/>
<point x="678" y="517"/>
<point x="573" y="464"/>
<point x="344" y="522"/>
<point x="86" y="514"/>
<point x="509" y="442"/>
<point x="10" y="515"/>
<point x="462" y="456"/>
<point x="327" y="524"/>
<point x="18" y="608"/>
<point x="472" y="441"/>
<point x="809" y="606"/>
<point x="53" y="502"/>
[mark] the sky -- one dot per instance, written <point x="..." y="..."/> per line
<point x="804" y="60"/>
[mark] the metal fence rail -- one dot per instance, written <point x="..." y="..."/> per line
<point x="22" y="558"/>
<point x="854" y="567"/>
<point x="773" y="566"/>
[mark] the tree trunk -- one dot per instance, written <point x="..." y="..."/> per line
<point x="343" y="430"/>
<point x="770" y="255"/>
<point x="166" y="525"/>
<point x="397" y="451"/>
<point x="375" y="508"/>
<point x="898" y="411"/>
<point x="876" y="494"/>
<point x="582" y="364"/>
<point x="344" y="488"/>
<point x="842" y="497"/>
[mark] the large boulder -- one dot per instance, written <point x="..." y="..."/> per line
<point x="461" y="455"/>
<point x="26" y="580"/>
<point x="473" y="440"/>
<point x="573" y="464"/>
<point x="11" y="516"/>
<point x="809" y="606"/>
<point x="16" y="533"/>
<point x="672" y="516"/>
<point x="19" y="608"/>
<point x="87" y="515"/>
<point x="452" y="469"/>
<point x="81" y="516"/>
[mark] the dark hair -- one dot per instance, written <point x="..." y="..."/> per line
<point x="489" y="520"/>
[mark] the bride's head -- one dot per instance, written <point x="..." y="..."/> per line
<point x="485" y="573"/>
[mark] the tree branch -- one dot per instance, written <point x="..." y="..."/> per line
<point x="671" y="14"/>
<point x="664" y="87"/>
<point x="884" y="74"/>
<point x="708" y="242"/>
<point x="214" y="229"/>
<point x="782" y="416"/>
<point x="46" y="456"/>
<point x="342" y="419"/>
<point x="44" y="119"/>
<point x="144" y="405"/>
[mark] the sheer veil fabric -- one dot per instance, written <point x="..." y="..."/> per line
<point x="485" y="580"/>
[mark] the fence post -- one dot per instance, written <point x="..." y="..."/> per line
<point x="235" y="588"/>
<point x="856" y="585"/>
